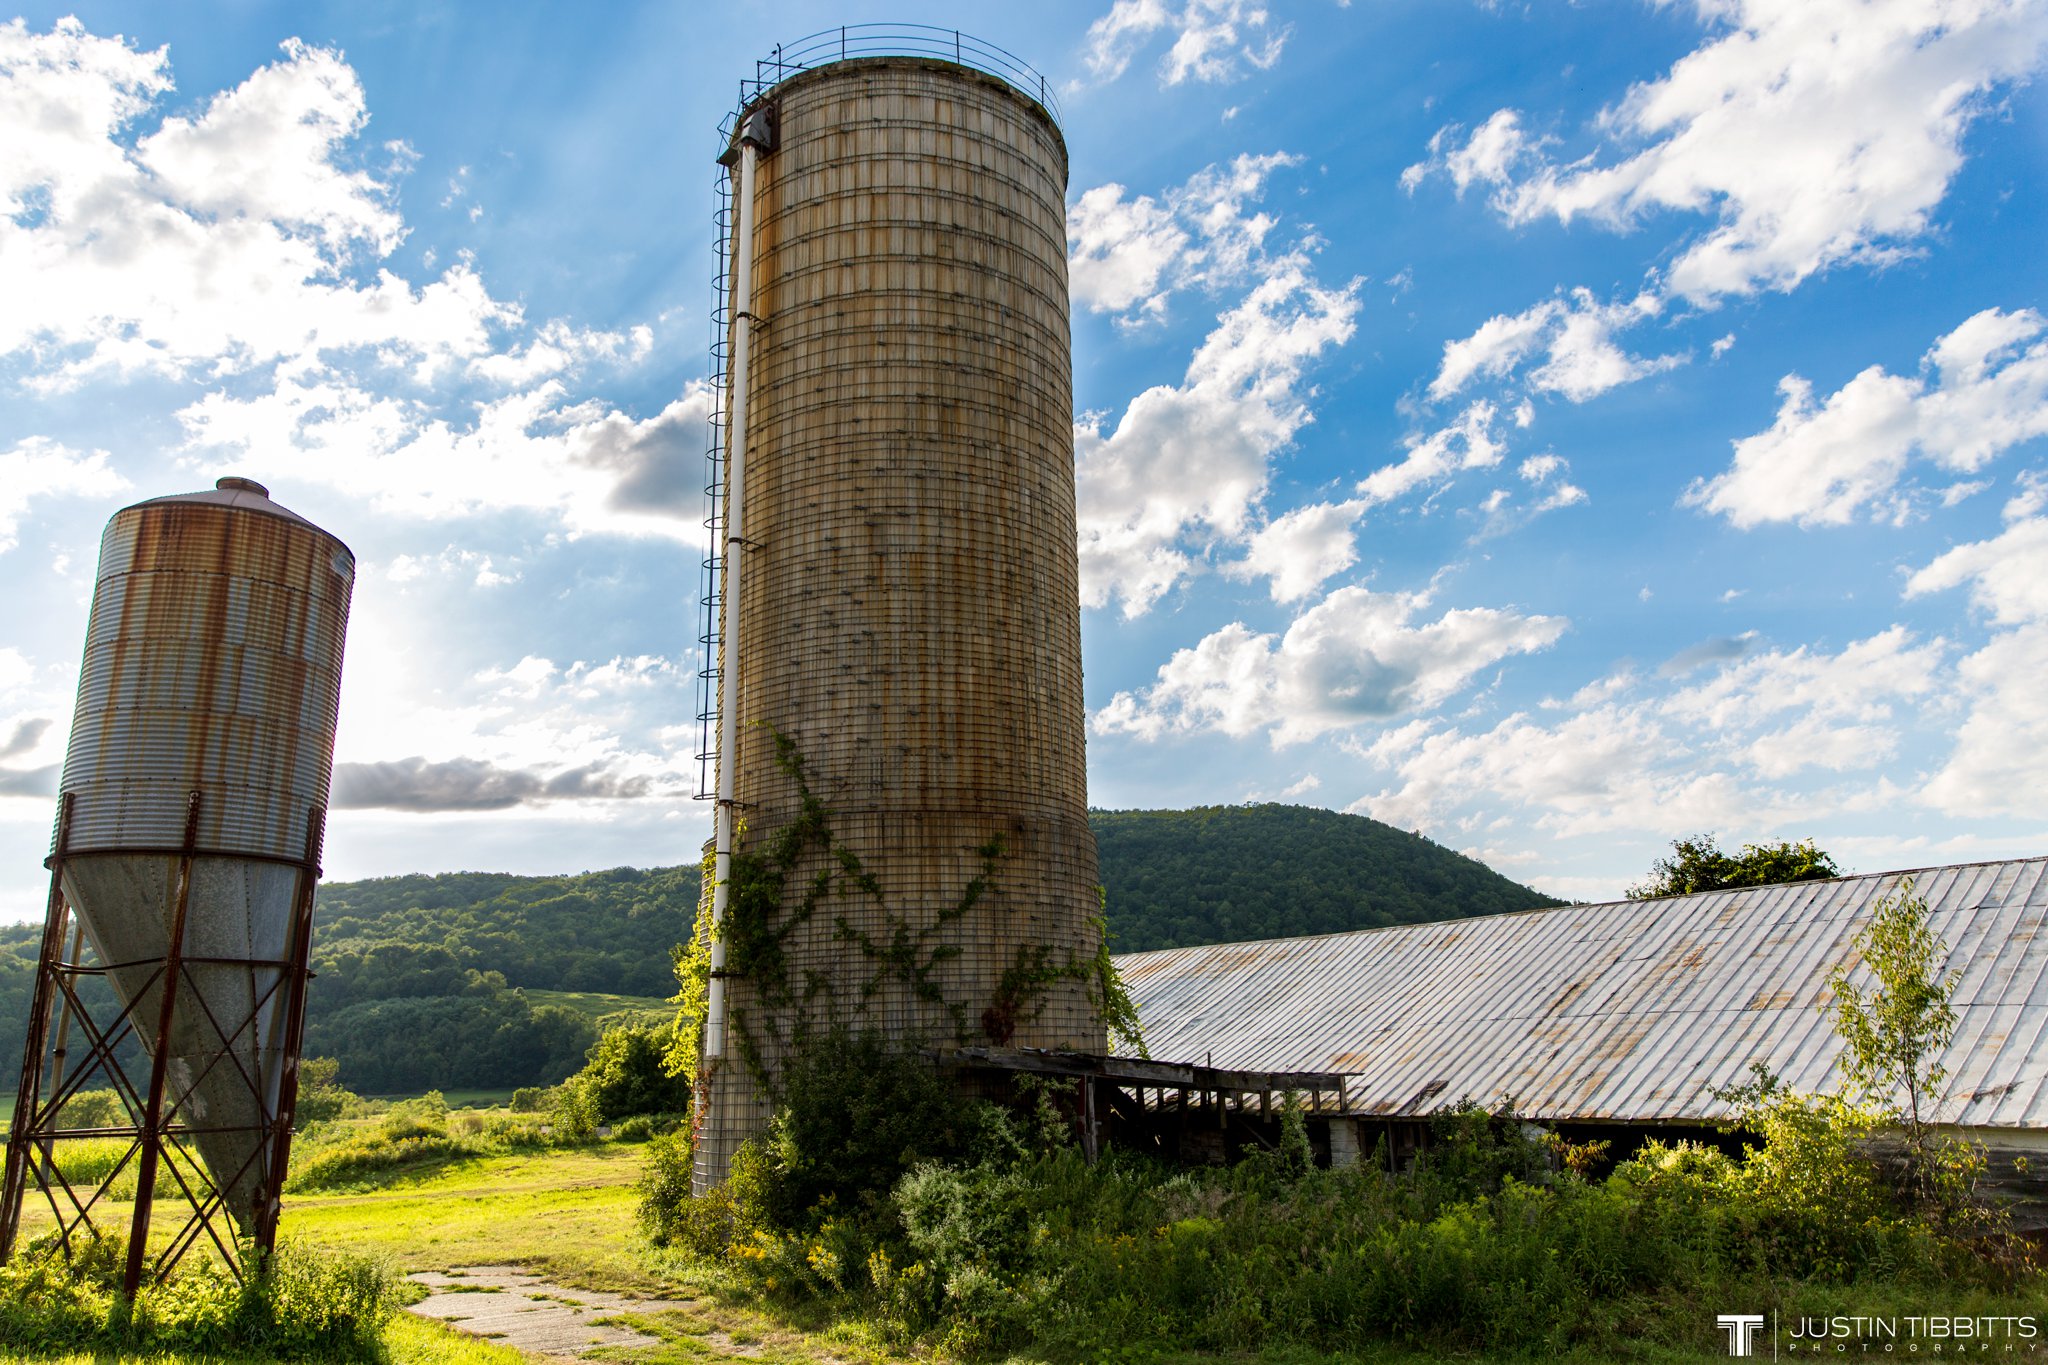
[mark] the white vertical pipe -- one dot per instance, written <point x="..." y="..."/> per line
<point x="729" y="670"/>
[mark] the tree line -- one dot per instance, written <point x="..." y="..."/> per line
<point x="420" y="981"/>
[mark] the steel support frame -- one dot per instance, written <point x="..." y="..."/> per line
<point x="160" y="1136"/>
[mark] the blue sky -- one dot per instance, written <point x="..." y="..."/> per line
<point x="1555" y="428"/>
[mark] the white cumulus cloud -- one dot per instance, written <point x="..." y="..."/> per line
<point x="597" y="469"/>
<point x="1354" y="657"/>
<point x="1981" y="390"/>
<point x="1187" y="464"/>
<point x="1213" y="40"/>
<point x="1127" y="255"/>
<point x="1468" y="442"/>
<point x="41" y="468"/>
<point x="1811" y="134"/>
<point x="1575" y="336"/>
<point x="2000" y="762"/>
<point x="212" y="244"/>
<point x="1300" y="551"/>
<point x="1629" y="755"/>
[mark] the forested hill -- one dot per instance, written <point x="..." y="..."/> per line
<point x="422" y="982"/>
<point x="445" y="981"/>
<point x="600" y="931"/>
<point x="1221" y="874"/>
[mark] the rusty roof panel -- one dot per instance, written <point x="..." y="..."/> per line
<point x="1631" y="1010"/>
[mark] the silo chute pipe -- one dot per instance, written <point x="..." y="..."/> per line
<point x="756" y="136"/>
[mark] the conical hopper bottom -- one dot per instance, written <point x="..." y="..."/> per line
<point x="225" y="1051"/>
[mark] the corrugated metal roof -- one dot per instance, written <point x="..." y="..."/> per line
<point x="1628" y="1011"/>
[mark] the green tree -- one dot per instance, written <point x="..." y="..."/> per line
<point x="1893" y="1030"/>
<point x="627" y="1075"/>
<point x="321" y="1093"/>
<point x="1699" y="864"/>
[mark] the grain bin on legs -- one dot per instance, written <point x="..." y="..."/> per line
<point x="903" y="834"/>
<point x="189" y="830"/>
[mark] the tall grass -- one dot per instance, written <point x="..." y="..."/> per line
<point x="85" y="1162"/>
<point x="292" y="1305"/>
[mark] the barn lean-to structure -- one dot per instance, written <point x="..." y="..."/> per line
<point x="1625" y="1017"/>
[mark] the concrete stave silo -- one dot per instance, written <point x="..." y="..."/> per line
<point x="192" y="811"/>
<point x="901" y="615"/>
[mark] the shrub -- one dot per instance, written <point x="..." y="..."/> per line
<point x="1007" y="1239"/>
<point x="410" y="1138"/>
<point x="1816" y="1200"/>
<point x="321" y="1094"/>
<point x="529" y="1099"/>
<point x="664" y="1186"/>
<point x="858" y="1111"/>
<point x="373" y="1158"/>
<point x="642" y="1127"/>
<point x="94" y="1109"/>
<point x="85" y="1162"/>
<point x="572" y="1110"/>
<point x="1472" y="1149"/>
<point x="716" y="1224"/>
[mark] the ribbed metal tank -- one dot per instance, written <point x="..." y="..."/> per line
<point x="908" y="614"/>
<point x="204" y="729"/>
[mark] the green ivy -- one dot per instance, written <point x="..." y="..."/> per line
<point x="911" y="956"/>
<point x="759" y="921"/>
<point x="693" y="977"/>
<point x="1112" y="997"/>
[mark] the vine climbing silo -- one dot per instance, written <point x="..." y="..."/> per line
<point x="898" y="646"/>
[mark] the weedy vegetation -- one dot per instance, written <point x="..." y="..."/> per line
<point x="993" y="1236"/>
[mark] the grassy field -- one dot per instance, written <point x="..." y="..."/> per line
<point x="643" y="1010"/>
<point x="463" y="1099"/>
<point x="568" y="1215"/>
<point x="409" y="1341"/>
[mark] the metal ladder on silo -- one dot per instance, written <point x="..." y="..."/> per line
<point x="711" y="597"/>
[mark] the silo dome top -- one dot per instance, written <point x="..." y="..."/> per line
<point x="851" y="42"/>
<point x="244" y="495"/>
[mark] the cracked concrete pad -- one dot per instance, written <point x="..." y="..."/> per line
<point x="508" y="1304"/>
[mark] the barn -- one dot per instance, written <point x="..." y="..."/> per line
<point x="1623" y="1019"/>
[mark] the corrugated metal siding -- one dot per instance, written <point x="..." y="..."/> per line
<point x="212" y="663"/>
<point x="1630" y="1011"/>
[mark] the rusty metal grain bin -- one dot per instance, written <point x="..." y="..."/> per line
<point x="907" y="621"/>
<point x="203" y="740"/>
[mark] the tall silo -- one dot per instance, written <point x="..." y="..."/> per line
<point x="900" y="618"/>
<point x="191" y="814"/>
